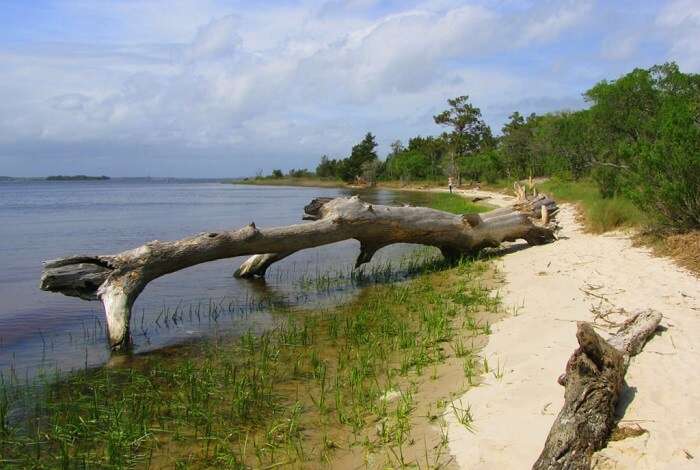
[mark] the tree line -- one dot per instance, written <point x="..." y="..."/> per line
<point x="638" y="138"/>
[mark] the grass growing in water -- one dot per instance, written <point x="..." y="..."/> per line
<point x="317" y="389"/>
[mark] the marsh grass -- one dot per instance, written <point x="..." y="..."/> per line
<point x="309" y="392"/>
<point x="414" y="263"/>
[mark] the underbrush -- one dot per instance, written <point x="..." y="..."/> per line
<point x="684" y="248"/>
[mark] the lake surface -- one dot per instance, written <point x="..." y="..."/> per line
<point x="41" y="220"/>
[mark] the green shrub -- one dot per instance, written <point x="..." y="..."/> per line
<point x="665" y="177"/>
<point x="486" y="166"/>
<point x="409" y="165"/>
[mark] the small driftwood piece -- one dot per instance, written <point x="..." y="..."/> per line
<point x="593" y="379"/>
<point x="118" y="279"/>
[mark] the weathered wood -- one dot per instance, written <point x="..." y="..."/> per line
<point x="256" y="265"/>
<point x="593" y="380"/>
<point x="633" y="334"/>
<point x="118" y="279"/>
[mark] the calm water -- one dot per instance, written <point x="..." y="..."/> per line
<point x="45" y="220"/>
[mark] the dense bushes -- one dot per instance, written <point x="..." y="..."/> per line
<point x="665" y="175"/>
<point x="409" y="165"/>
<point x="647" y="123"/>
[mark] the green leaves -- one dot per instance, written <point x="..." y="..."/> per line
<point x="470" y="133"/>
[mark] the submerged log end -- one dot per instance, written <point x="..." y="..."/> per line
<point x="117" y="302"/>
<point x="92" y="278"/>
<point x="257" y="265"/>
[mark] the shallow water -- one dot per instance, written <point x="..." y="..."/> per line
<point x="40" y="220"/>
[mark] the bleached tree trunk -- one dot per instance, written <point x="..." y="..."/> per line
<point x="118" y="279"/>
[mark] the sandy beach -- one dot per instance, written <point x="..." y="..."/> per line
<point x="548" y="289"/>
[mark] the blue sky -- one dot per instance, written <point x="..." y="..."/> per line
<point x="209" y="88"/>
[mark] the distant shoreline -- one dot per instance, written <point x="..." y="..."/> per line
<point x="334" y="183"/>
<point x="289" y="181"/>
<point x="76" y="178"/>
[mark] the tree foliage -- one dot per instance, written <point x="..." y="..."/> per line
<point x="350" y="168"/>
<point x="327" y="168"/>
<point x="470" y="133"/>
<point x="639" y="137"/>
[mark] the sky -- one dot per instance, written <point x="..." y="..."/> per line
<point x="213" y="88"/>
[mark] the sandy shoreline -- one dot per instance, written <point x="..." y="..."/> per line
<point x="551" y="287"/>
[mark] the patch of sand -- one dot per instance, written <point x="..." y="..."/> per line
<point x="546" y="290"/>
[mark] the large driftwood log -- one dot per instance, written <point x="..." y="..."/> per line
<point x="593" y="380"/>
<point x="118" y="279"/>
<point x="539" y="206"/>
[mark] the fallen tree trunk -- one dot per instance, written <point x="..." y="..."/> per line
<point x="118" y="279"/>
<point x="593" y="380"/>
<point x="538" y="206"/>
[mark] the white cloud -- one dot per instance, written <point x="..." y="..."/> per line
<point x="679" y="23"/>
<point x="555" y="18"/>
<point x="296" y="80"/>
<point x="217" y="39"/>
<point x="620" y="47"/>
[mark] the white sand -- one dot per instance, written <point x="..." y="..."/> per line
<point x="545" y="284"/>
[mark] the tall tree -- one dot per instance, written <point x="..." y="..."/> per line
<point x="470" y="134"/>
<point x="516" y="144"/>
<point x="327" y="168"/>
<point x="362" y="153"/>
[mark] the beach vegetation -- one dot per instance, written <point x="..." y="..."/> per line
<point x="339" y="383"/>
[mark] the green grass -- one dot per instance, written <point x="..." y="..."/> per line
<point x="600" y="214"/>
<point x="454" y="203"/>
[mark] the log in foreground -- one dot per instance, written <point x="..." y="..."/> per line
<point x="593" y="380"/>
<point x="118" y="279"/>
